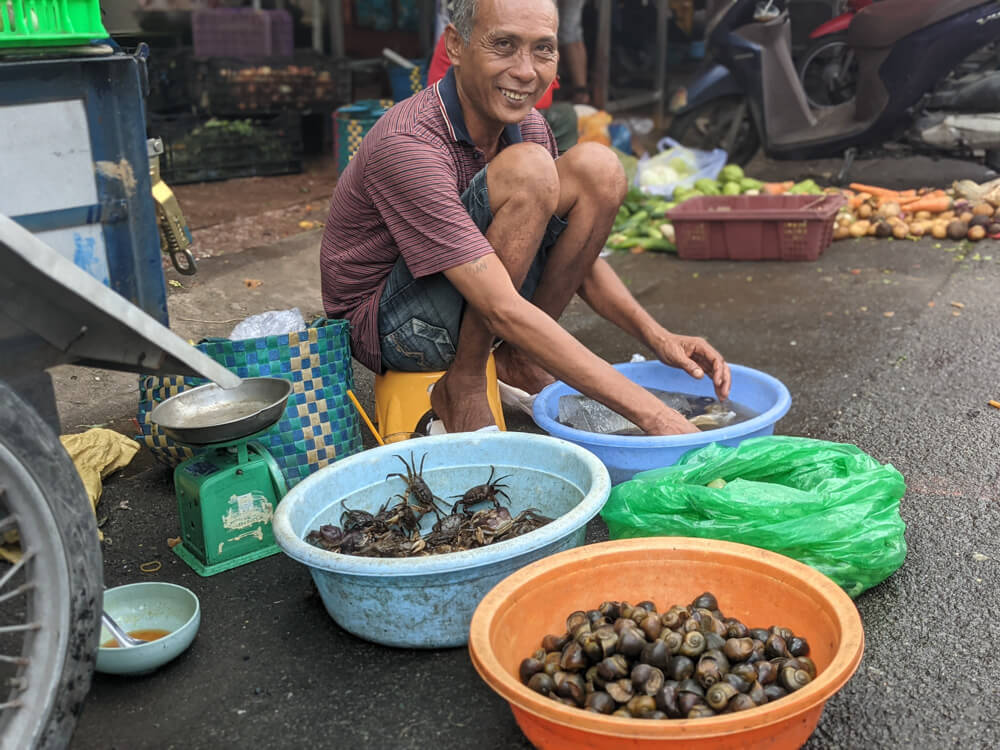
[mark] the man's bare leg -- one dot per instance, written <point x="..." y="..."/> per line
<point x="591" y="188"/>
<point x="524" y="192"/>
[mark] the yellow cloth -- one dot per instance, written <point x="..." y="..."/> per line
<point x="96" y="453"/>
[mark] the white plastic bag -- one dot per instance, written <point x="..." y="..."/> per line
<point x="677" y="166"/>
<point x="271" y="323"/>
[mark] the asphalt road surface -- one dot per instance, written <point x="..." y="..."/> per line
<point x="891" y="346"/>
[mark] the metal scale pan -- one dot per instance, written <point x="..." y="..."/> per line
<point x="210" y="414"/>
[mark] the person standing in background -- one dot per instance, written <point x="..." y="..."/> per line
<point x="572" y="49"/>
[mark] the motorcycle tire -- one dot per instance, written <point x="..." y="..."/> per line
<point x="53" y="596"/>
<point x="828" y="71"/>
<point x="707" y="126"/>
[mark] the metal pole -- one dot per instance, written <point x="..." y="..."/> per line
<point x="662" y="19"/>
<point x="317" y="25"/>
<point x="602" y="55"/>
<point x="336" y="28"/>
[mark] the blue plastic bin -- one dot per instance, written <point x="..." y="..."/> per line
<point x="406" y="82"/>
<point x="625" y="455"/>
<point x="427" y="602"/>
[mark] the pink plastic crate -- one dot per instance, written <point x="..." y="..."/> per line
<point x="755" y="227"/>
<point x="242" y="33"/>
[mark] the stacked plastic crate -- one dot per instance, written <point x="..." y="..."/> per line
<point x="219" y="143"/>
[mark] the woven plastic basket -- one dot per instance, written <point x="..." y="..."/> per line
<point x="50" y="23"/>
<point x="350" y="124"/>
<point x="755" y="227"/>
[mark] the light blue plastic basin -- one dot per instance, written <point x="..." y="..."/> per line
<point x="626" y="455"/>
<point x="427" y="602"/>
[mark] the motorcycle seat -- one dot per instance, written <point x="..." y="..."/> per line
<point x="884" y="23"/>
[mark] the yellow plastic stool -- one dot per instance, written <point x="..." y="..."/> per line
<point x="403" y="398"/>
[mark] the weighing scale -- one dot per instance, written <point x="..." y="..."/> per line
<point x="227" y="493"/>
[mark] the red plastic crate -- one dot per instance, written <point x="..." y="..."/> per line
<point x="242" y="33"/>
<point x="755" y="227"/>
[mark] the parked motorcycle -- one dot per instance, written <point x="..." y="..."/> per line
<point x="828" y="69"/>
<point x="912" y="83"/>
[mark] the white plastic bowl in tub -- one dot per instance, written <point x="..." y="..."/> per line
<point x="626" y="455"/>
<point x="150" y="605"/>
<point x="427" y="602"/>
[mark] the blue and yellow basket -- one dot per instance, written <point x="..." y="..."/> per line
<point x="350" y="124"/>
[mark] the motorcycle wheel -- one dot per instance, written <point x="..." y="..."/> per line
<point x="829" y="72"/>
<point x="52" y="597"/>
<point x="708" y="126"/>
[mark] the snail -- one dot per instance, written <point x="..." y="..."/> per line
<point x="626" y="660"/>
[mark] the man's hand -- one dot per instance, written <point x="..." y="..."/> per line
<point x="670" y="422"/>
<point x="696" y="357"/>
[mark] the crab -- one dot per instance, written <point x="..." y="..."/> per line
<point x="484" y="493"/>
<point x="424" y="501"/>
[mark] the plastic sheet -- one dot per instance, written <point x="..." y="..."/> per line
<point x="828" y="505"/>
<point x="270" y="323"/>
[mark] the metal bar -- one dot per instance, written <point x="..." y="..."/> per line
<point x="336" y="28"/>
<point x="662" y="19"/>
<point x="14" y="568"/>
<point x="317" y="25"/>
<point x="16" y="592"/>
<point x="63" y="218"/>
<point x="602" y="55"/>
<point x="20" y="628"/>
<point x="633" y="100"/>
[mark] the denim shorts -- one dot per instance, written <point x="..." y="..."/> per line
<point x="419" y="319"/>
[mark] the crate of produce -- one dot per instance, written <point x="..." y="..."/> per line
<point x="755" y="227"/>
<point x="242" y="33"/>
<point x="196" y="149"/>
<point x="351" y="123"/>
<point x="50" y="23"/>
<point x="307" y="82"/>
<point x="170" y="73"/>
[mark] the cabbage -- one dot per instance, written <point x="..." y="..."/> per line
<point x="658" y="175"/>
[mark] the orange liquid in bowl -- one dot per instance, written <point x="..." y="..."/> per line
<point x="150" y="634"/>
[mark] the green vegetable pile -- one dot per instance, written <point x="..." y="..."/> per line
<point x="642" y="222"/>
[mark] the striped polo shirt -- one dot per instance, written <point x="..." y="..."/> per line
<point x="401" y="196"/>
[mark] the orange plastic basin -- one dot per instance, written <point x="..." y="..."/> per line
<point x="759" y="587"/>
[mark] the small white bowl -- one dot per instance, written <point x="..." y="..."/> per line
<point x="150" y="605"/>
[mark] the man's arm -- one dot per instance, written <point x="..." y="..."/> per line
<point x="605" y="293"/>
<point x="486" y="286"/>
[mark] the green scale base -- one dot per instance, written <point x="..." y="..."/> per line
<point x="226" y="498"/>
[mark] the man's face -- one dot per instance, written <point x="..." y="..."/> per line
<point x="510" y="60"/>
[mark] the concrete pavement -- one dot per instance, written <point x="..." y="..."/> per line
<point x="874" y="352"/>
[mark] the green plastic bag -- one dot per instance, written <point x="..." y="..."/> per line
<point x="829" y="505"/>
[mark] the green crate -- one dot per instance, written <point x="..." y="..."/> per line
<point x="50" y="23"/>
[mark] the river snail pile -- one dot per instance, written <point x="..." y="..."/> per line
<point x="686" y="663"/>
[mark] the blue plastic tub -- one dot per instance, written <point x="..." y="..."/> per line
<point x="625" y="455"/>
<point x="427" y="602"/>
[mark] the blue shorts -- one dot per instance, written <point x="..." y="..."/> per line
<point x="419" y="319"/>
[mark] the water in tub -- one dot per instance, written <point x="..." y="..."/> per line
<point x="704" y="412"/>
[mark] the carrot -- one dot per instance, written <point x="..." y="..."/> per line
<point x="911" y="193"/>
<point x="935" y="204"/>
<point x="874" y="190"/>
<point x="774" y="188"/>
